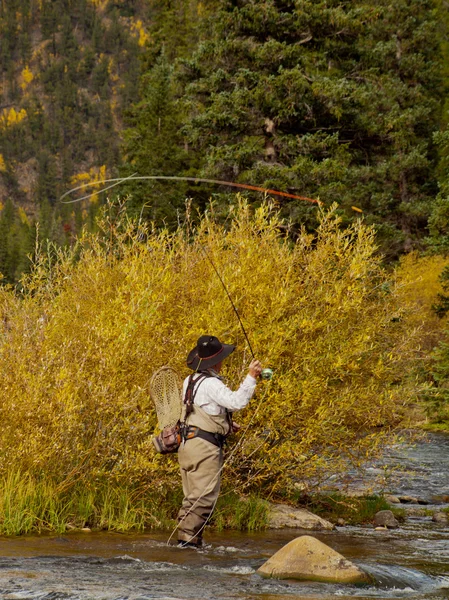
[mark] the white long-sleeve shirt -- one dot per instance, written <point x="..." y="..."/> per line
<point x="214" y="397"/>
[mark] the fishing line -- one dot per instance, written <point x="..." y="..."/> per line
<point x="230" y="299"/>
<point x="266" y="373"/>
<point x="119" y="180"/>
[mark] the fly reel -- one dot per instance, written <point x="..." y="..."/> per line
<point x="267" y="374"/>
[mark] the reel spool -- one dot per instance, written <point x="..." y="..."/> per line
<point x="267" y="374"/>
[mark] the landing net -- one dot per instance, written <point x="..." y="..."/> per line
<point x="165" y="392"/>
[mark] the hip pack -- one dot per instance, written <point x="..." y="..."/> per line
<point x="169" y="439"/>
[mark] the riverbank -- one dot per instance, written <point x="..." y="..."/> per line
<point x="416" y="472"/>
<point x="29" y="507"/>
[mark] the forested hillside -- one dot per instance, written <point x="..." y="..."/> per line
<point x="69" y="70"/>
<point x="328" y="99"/>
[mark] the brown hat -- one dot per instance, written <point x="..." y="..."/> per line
<point x="208" y="352"/>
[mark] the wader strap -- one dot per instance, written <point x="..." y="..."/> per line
<point x="214" y="438"/>
<point x="191" y="392"/>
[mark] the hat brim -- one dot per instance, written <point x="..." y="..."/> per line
<point x="196" y="363"/>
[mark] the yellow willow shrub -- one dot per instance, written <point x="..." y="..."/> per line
<point x="94" y="322"/>
<point x="418" y="283"/>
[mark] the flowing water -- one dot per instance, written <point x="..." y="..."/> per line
<point x="411" y="562"/>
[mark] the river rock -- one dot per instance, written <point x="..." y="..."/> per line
<point x="282" y="516"/>
<point x="308" y="559"/>
<point x="408" y="500"/>
<point x="443" y="499"/>
<point x="439" y="517"/>
<point x="392" y="499"/>
<point x="385" y="518"/>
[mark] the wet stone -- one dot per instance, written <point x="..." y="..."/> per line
<point x="439" y="517"/>
<point x="385" y="518"/>
<point x="408" y="500"/>
<point x="392" y="499"/>
<point x="283" y="516"/>
<point x="306" y="558"/>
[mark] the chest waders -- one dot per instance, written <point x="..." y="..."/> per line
<point x="200" y="459"/>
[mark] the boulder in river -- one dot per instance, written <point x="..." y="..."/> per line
<point x="282" y="516"/>
<point x="385" y="518"/>
<point x="308" y="559"/>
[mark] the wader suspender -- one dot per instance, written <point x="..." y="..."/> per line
<point x="190" y="432"/>
<point x="191" y="393"/>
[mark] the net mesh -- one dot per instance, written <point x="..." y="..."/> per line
<point x="165" y="392"/>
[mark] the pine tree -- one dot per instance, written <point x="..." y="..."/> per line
<point x="328" y="99"/>
<point x="16" y="242"/>
<point x="153" y="144"/>
<point x="47" y="178"/>
<point x="438" y="240"/>
<point x="176" y="27"/>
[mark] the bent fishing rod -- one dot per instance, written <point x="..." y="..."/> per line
<point x="134" y="177"/>
<point x="266" y="373"/>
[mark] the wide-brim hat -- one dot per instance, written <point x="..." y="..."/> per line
<point x="208" y="352"/>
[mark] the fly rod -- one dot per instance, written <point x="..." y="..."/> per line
<point x="266" y="373"/>
<point x="119" y="180"/>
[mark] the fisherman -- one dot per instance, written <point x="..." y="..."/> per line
<point x="208" y="408"/>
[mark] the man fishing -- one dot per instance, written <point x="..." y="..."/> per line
<point x="208" y="408"/>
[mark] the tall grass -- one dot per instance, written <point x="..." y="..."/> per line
<point x="29" y="506"/>
<point x="353" y="510"/>
<point x="245" y="514"/>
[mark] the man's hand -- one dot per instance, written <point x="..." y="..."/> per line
<point x="255" y="368"/>
<point x="235" y="427"/>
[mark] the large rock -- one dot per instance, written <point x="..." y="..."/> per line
<point x="282" y="516"/>
<point x="309" y="559"/>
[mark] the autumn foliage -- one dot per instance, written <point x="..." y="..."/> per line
<point x="91" y="324"/>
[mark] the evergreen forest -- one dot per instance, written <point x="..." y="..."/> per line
<point x="342" y="102"/>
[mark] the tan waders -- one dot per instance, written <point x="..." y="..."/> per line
<point x="200" y="462"/>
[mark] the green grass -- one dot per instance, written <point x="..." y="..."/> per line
<point x="353" y="510"/>
<point x="30" y="506"/>
<point x="440" y="426"/>
<point x="244" y="514"/>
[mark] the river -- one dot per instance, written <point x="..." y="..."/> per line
<point x="411" y="562"/>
